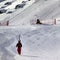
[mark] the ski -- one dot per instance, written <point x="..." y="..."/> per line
<point x="29" y="56"/>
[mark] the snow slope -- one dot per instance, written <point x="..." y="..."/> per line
<point x="40" y="42"/>
<point x="37" y="10"/>
<point x="5" y="16"/>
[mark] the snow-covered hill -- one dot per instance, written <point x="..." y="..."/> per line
<point x="41" y="9"/>
<point x="11" y="8"/>
<point x="39" y="42"/>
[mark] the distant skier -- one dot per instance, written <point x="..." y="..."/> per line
<point x="28" y="0"/>
<point x="38" y="22"/>
<point x="0" y="24"/>
<point x="19" y="45"/>
<point x="7" y="23"/>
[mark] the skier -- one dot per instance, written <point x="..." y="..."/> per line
<point x="7" y="23"/>
<point x="0" y="24"/>
<point x="19" y="45"/>
<point x="38" y="22"/>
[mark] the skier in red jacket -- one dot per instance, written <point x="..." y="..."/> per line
<point x="19" y="45"/>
